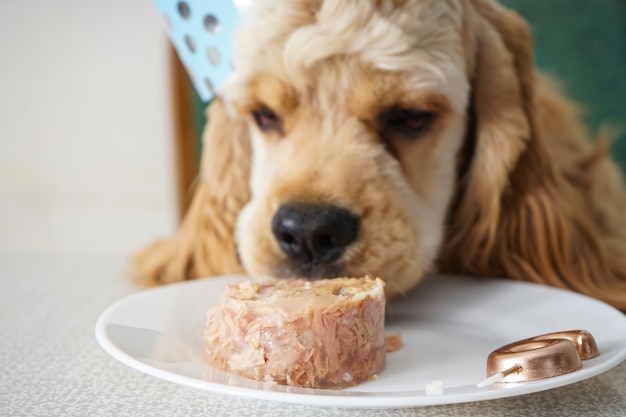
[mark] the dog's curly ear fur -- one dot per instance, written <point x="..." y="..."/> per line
<point x="528" y="209"/>
<point x="204" y="245"/>
<point x="499" y="56"/>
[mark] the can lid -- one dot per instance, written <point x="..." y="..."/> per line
<point x="540" y="357"/>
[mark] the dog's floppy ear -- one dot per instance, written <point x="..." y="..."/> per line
<point x="500" y="67"/>
<point x="204" y="245"/>
<point x="517" y="215"/>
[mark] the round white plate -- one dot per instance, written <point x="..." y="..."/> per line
<point x="449" y="326"/>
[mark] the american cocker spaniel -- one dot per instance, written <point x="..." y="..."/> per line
<point x="394" y="138"/>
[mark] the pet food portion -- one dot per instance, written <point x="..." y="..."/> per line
<point x="312" y="334"/>
<point x="393" y="342"/>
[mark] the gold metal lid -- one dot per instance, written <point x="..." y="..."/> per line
<point x="540" y="357"/>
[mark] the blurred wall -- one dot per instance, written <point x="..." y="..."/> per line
<point x="86" y="148"/>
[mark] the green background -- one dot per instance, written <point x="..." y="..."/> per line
<point x="583" y="44"/>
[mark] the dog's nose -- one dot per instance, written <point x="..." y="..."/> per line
<point x="314" y="233"/>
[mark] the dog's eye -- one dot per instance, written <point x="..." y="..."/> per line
<point x="266" y="119"/>
<point x="408" y="123"/>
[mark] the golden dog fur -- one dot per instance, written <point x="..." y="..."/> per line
<point x="504" y="181"/>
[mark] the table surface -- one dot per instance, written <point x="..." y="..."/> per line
<point x="52" y="365"/>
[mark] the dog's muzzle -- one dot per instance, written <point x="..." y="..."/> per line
<point x="314" y="236"/>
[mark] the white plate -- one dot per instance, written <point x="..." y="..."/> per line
<point x="449" y="326"/>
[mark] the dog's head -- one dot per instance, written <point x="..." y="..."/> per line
<point x="369" y="121"/>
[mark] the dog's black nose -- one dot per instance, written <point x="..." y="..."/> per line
<point x="314" y="234"/>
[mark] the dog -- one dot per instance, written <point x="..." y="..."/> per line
<point x="397" y="138"/>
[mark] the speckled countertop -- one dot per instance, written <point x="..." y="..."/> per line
<point x="51" y="364"/>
